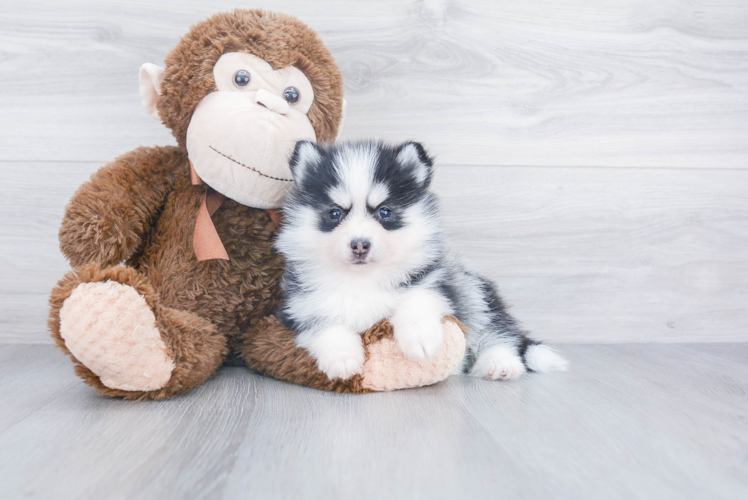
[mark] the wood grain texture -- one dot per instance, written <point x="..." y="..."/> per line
<point x="583" y="254"/>
<point x="607" y="192"/>
<point x="629" y="421"/>
<point x="608" y="255"/>
<point x="626" y="83"/>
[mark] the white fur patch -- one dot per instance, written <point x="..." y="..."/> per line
<point x="341" y="197"/>
<point x="498" y="362"/>
<point x="542" y="358"/>
<point x="377" y="195"/>
<point x="408" y="155"/>
<point x="307" y="155"/>
<point x="355" y="167"/>
<point x="338" y="350"/>
<point x="417" y="322"/>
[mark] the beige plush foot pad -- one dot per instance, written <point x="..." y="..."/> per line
<point x="387" y="368"/>
<point x="110" y="328"/>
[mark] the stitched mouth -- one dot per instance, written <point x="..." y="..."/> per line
<point x="250" y="168"/>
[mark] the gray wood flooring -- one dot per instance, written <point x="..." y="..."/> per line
<point x="628" y="422"/>
<point x="591" y="159"/>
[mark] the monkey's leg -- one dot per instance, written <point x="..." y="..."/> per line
<point x="123" y="342"/>
<point x="270" y="348"/>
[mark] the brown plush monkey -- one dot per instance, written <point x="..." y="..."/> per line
<point x="194" y="224"/>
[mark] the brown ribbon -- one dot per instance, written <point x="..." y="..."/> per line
<point x="205" y="240"/>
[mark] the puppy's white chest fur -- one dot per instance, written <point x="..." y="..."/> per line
<point x="356" y="304"/>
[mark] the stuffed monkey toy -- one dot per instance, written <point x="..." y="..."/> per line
<point x="174" y="272"/>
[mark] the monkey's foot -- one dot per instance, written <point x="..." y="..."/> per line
<point x="110" y="328"/>
<point x="387" y="368"/>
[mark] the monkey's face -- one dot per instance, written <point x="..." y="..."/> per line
<point x="241" y="136"/>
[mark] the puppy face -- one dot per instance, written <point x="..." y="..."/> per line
<point x="360" y="208"/>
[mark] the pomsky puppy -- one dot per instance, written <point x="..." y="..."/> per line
<point x="363" y="242"/>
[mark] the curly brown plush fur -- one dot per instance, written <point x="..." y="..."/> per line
<point x="279" y="39"/>
<point x="140" y="209"/>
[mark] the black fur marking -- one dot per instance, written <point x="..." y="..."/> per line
<point x="449" y="291"/>
<point x="326" y="224"/>
<point x="502" y="321"/>
<point x="316" y="179"/>
<point x="469" y="360"/>
<point x="405" y="190"/>
<point x="291" y="285"/>
<point x="524" y="344"/>
<point x="418" y="276"/>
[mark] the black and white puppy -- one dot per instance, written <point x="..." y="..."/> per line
<point x="363" y="242"/>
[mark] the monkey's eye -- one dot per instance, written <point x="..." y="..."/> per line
<point x="291" y="94"/>
<point x="242" y="78"/>
<point x="384" y="213"/>
<point x="336" y="214"/>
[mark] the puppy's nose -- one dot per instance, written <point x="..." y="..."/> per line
<point x="360" y="247"/>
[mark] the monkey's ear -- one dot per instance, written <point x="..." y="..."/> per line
<point x="150" y="77"/>
<point x="413" y="156"/>
<point x="305" y="155"/>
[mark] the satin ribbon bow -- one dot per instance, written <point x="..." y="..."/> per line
<point x="205" y="239"/>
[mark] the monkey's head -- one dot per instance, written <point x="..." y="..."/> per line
<point x="238" y="91"/>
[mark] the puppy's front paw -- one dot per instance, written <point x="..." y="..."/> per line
<point x="341" y="365"/>
<point x="418" y="338"/>
<point x="498" y="362"/>
<point x="338" y="351"/>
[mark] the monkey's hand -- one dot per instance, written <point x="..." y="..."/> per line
<point x="109" y="215"/>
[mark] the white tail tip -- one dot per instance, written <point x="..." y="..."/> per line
<point x="542" y="358"/>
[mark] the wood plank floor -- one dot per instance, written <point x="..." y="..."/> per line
<point x="629" y="421"/>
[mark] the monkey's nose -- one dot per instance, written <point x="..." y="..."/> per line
<point x="360" y="247"/>
<point x="272" y="102"/>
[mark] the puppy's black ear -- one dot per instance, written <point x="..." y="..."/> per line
<point x="413" y="157"/>
<point x="305" y="155"/>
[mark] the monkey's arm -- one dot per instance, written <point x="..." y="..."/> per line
<point x="108" y="216"/>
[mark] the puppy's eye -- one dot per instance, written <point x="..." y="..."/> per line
<point x="336" y="214"/>
<point x="242" y="78"/>
<point x="291" y="94"/>
<point x="384" y="213"/>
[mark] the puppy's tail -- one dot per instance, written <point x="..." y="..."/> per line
<point x="541" y="358"/>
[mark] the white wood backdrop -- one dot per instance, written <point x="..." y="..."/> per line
<point x="592" y="156"/>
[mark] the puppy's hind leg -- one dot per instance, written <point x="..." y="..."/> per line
<point x="498" y="362"/>
<point x="503" y="362"/>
